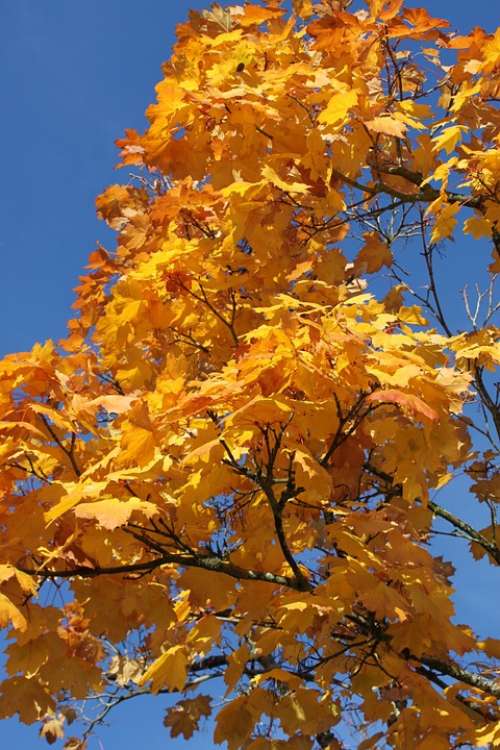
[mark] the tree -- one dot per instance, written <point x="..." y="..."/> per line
<point x="228" y="469"/>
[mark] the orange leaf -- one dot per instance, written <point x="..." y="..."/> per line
<point x="387" y="125"/>
<point x="407" y="401"/>
<point x="254" y="15"/>
<point x="374" y="254"/>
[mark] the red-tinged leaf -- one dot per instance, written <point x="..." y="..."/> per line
<point x="407" y="401"/>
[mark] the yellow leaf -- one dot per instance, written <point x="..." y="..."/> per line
<point x="111" y="513"/>
<point x="26" y="582"/>
<point x="440" y="174"/>
<point x="169" y="670"/>
<point x="242" y="189"/>
<point x="448" y="139"/>
<point x="234" y="724"/>
<point x="478" y="227"/>
<point x="236" y="665"/>
<point x="114" y="404"/>
<point x="338" y="107"/>
<point x="424" y="159"/>
<point x="332" y="266"/>
<point x="488" y="736"/>
<point x="15" y="427"/>
<point x="138" y="445"/>
<point x="412" y="315"/>
<point x="384" y="9"/>
<point x="281" y="675"/>
<point x="261" y="411"/>
<point x="9" y="614"/>
<point x="444" y="480"/>
<point x="303" y="8"/>
<point x="77" y="492"/>
<point x="290" y="187"/>
<point x="445" y="222"/>
<point x="316" y="481"/>
<point x="387" y="125"/>
<point x="205" y="634"/>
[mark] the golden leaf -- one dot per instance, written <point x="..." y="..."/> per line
<point x="374" y="254"/>
<point x="448" y="139"/>
<point x="291" y="187"/>
<point x="111" y="512"/>
<point x="168" y="670"/>
<point x="10" y="615"/>
<point x="338" y="108"/>
<point x="387" y="125"/>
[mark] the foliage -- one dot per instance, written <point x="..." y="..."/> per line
<point x="228" y="470"/>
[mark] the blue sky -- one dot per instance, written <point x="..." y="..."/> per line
<point x="73" y="75"/>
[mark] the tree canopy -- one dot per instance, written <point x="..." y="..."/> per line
<point x="227" y="471"/>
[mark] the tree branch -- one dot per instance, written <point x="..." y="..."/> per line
<point x="210" y="563"/>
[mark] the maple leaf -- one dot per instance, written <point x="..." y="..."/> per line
<point x="478" y="227"/>
<point x="168" y="670"/>
<point x="445" y="221"/>
<point x="407" y="401"/>
<point x="235" y="458"/>
<point x="184" y="718"/>
<point x="75" y="493"/>
<point x="10" y="614"/>
<point x="234" y="724"/>
<point x="292" y="187"/>
<point x="448" y="139"/>
<point x="112" y="512"/>
<point x="255" y="15"/>
<point x="138" y="442"/>
<point x="387" y="125"/>
<point x="338" y="107"/>
<point x="384" y="9"/>
<point x="374" y="254"/>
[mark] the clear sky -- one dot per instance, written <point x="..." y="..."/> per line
<point x="73" y="75"/>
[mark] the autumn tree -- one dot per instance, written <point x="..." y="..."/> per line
<point x="228" y="469"/>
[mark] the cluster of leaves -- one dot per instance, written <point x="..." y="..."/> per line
<point x="226" y="471"/>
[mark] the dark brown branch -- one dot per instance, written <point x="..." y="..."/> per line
<point x="69" y="452"/>
<point x="265" y="482"/>
<point x="205" y="301"/>
<point x="426" y="194"/>
<point x="341" y="436"/>
<point x="277" y="510"/>
<point x="210" y="563"/>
